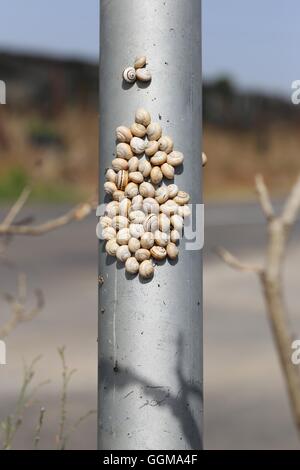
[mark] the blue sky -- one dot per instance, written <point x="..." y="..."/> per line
<point x="253" y="41"/>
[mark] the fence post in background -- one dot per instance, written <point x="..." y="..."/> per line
<point x="150" y="334"/>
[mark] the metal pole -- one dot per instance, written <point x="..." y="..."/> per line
<point x="150" y="334"/>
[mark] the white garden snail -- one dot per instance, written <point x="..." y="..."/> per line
<point x="140" y="62"/>
<point x="137" y="72"/>
<point x="144" y="75"/>
<point x="124" y="150"/>
<point x="123" y="134"/>
<point x="142" y="116"/>
<point x="152" y="148"/>
<point x="123" y="253"/>
<point x="166" y="144"/>
<point x="154" y="131"/>
<point x="129" y="74"/>
<point x="132" y="265"/>
<point x="138" y="145"/>
<point x="146" y="269"/>
<point x="111" y="247"/>
<point x="138" y="130"/>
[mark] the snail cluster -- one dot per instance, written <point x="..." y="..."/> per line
<point x="139" y="71"/>
<point x="144" y="218"/>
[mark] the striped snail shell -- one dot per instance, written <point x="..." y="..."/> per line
<point x="105" y="221"/>
<point x="151" y="223"/>
<point x="136" y="230"/>
<point x="154" y="131"/>
<point x="150" y="206"/>
<point x="142" y="116"/>
<point x="137" y="203"/>
<point x="124" y="207"/>
<point x="138" y="145"/>
<point x="122" y="179"/>
<point x="158" y="252"/>
<point x="137" y="217"/>
<point x="109" y="233"/>
<point x="129" y="74"/>
<point x="123" y="134"/>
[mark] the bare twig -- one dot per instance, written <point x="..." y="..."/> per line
<point x="235" y="263"/>
<point x="37" y="435"/>
<point x="271" y="280"/>
<point x="17" y="207"/>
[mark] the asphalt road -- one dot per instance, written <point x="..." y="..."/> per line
<point x="246" y="406"/>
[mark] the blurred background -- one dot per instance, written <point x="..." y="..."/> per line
<point x="49" y="55"/>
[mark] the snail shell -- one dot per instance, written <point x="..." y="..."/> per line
<point x="142" y="254"/>
<point x="158" y="252"/>
<point x="123" y="134"/>
<point x="184" y="211"/>
<point x="166" y="144"/>
<point x="150" y="223"/>
<point x="110" y="175"/>
<point x="147" y="240"/>
<point x="119" y="222"/>
<point x="142" y="116"/>
<point x="136" y="177"/>
<point x="164" y="223"/>
<point x="140" y="62"/>
<point x="204" y="159"/>
<point x="119" y="164"/>
<point x="147" y="190"/>
<point x="159" y="158"/>
<point x="145" y="168"/>
<point x="118" y="195"/>
<point x="132" y="266"/>
<point x="169" y="208"/>
<point x="109" y="187"/>
<point x="138" y="130"/>
<point x="144" y="75"/>
<point x="172" y="250"/>
<point x="137" y="203"/>
<point x="146" y="269"/>
<point x="154" y="131"/>
<point x="162" y="194"/>
<point x="111" y="247"/>
<point x="131" y="190"/>
<point x="129" y="75"/>
<point x="122" y="179"/>
<point x="108" y="233"/>
<point x="137" y="217"/>
<point x="161" y="238"/>
<point x="168" y="171"/>
<point x="150" y="206"/>
<point x="123" y="236"/>
<point x="124" y="150"/>
<point x="105" y="221"/>
<point x="112" y="209"/>
<point x="123" y="253"/>
<point x="182" y="198"/>
<point x="134" y="245"/>
<point x="175" y="236"/>
<point x="133" y="164"/>
<point x="136" y="230"/>
<point x="177" y="222"/>
<point x="152" y="148"/>
<point x="172" y="190"/>
<point x="138" y="145"/>
<point x="124" y="207"/>
<point x="156" y="175"/>
<point x="175" y="158"/>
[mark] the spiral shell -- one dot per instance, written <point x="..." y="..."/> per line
<point x="161" y="238"/>
<point x="164" y="223"/>
<point x="123" y="134"/>
<point x="159" y="158"/>
<point x="118" y="195"/>
<point x="142" y="254"/>
<point x="158" y="252"/>
<point x="122" y="179"/>
<point x="138" y="145"/>
<point x="129" y="75"/>
<point x="168" y="171"/>
<point x="111" y="247"/>
<point x="172" y="250"/>
<point x="124" y="207"/>
<point x="150" y="206"/>
<point x="182" y="198"/>
<point x="112" y="209"/>
<point x="156" y="175"/>
<point x="184" y="211"/>
<point x="152" y="148"/>
<point x="177" y="222"/>
<point x="123" y="253"/>
<point x="145" y="168"/>
<point x="119" y="164"/>
<point x="137" y="203"/>
<point x="105" y="221"/>
<point x="110" y="175"/>
<point x="146" y="269"/>
<point x="175" y="158"/>
<point x="204" y="159"/>
<point x="124" y="150"/>
<point x="162" y="194"/>
<point x="136" y="230"/>
<point x="154" y="131"/>
<point x="144" y="75"/>
<point x="175" y="236"/>
<point x="123" y="236"/>
<point x="109" y="187"/>
<point x="133" y="164"/>
<point x="119" y="222"/>
<point x="132" y="265"/>
<point x="172" y="190"/>
<point x="166" y="144"/>
<point x="150" y="223"/>
<point x="140" y="62"/>
<point x="131" y="190"/>
<point x="142" y="116"/>
<point x="147" y="240"/>
<point x="146" y="189"/>
<point x="108" y="233"/>
<point x="134" y="245"/>
<point x="136" y="177"/>
<point x="138" y="130"/>
<point x="169" y="208"/>
<point x="137" y="217"/>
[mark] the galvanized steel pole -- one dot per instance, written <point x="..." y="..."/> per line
<point x="150" y="334"/>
